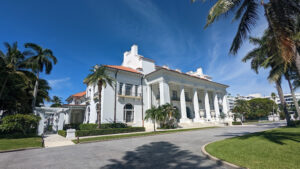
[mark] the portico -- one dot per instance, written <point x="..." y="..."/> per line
<point x="198" y="100"/>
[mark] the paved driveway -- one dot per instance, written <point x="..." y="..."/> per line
<point x="168" y="151"/>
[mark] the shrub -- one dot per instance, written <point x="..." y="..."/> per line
<point x="71" y="126"/>
<point x="81" y="133"/>
<point x="295" y="123"/>
<point x="88" y="126"/>
<point x="236" y="123"/>
<point x="19" y="124"/>
<point x="113" y="125"/>
<point x="103" y="126"/>
<point x="62" y="133"/>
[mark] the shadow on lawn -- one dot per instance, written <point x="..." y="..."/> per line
<point x="160" y="155"/>
<point x="275" y="136"/>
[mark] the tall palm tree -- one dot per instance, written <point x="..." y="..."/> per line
<point x="43" y="58"/>
<point x="12" y="63"/>
<point x="102" y="79"/>
<point x="266" y="55"/>
<point x="280" y="15"/>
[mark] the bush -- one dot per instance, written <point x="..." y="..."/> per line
<point x="236" y="123"/>
<point x="88" y="126"/>
<point x="103" y="126"/>
<point x="71" y="126"/>
<point x="81" y="133"/>
<point x="295" y="123"/>
<point x="62" y="133"/>
<point x="113" y="125"/>
<point x="19" y="124"/>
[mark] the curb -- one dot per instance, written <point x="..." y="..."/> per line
<point x="219" y="160"/>
<point x="21" y="149"/>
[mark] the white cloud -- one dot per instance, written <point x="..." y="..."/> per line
<point x="58" y="83"/>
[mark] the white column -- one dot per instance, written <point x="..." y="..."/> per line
<point x="207" y="106"/>
<point x="123" y="89"/>
<point x="164" y="92"/>
<point x="196" y="106"/>
<point x="225" y="108"/>
<point x="149" y="96"/>
<point x="216" y="105"/>
<point x="183" y="106"/>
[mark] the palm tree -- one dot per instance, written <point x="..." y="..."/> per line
<point x="152" y="114"/>
<point x="99" y="76"/>
<point x="56" y="102"/>
<point x="273" y="97"/>
<point x="43" y="92"/>
<point x="266" y="55"/>
<point x="43" y="58"/>
<point x="170" y="114"/>
<point x="12" y="63"/>
<point x="280" y="14"/>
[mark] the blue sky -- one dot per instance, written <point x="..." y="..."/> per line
<point x="84" y="33"/>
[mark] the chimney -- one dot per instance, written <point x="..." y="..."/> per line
<point x="134" y="49"/>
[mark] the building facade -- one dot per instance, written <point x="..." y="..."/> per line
<point x="140" y="84"/>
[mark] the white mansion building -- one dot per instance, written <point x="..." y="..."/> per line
<point x="139" y="85"/>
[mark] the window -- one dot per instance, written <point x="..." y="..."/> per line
<point x="120" y="88"/>
<point x="174" y="94"/>
<point x="136" y="90"/>
<point x="128" y="113"/>
<point x="128" y="89"/>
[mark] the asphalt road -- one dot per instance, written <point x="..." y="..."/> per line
<point x="168" y="151"/>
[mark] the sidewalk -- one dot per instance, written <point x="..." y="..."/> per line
<point x="55" y="140"/>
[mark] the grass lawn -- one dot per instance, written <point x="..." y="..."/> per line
<point x="277" y="148"/>
<point x="19" y="143"/>
<point x="113" y="137"/>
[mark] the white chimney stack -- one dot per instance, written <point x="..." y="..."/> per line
<point x="134" y="49"/>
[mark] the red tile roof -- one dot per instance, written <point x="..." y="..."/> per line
<point x="79" y="94"/>
<point x="122" y="68"/>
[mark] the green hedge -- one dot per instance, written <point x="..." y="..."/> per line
<point x="62" y="133"/>
<point x="236" y="123"/>
<point x="295" y="123"/>
<point x="81" y="133"/>
<point x="103" y="126"/>
<point x="72" y="126"/>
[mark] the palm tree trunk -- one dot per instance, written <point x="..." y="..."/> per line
<point x="293" y="95"/>
<point x="4" y="84"/>
<point x="99" y="104"/>
<point x="283" y="103"/>
<point x="35" y="90"/>
<point x="297" y="61"/>
<point x="154" y="125"/>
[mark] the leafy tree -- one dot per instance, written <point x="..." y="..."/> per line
<point x="99" y="76"/>
<point x="56" y="102"/>
<point x="260" y="107"/>
<point x="241" y="108"/>
<point x="43" y="58"/>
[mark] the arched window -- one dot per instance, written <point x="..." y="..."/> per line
<point x="128" y="113"/>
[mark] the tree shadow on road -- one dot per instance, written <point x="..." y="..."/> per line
<point x="162" y="155"/>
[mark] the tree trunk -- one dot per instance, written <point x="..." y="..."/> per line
<point x="154" y="124"/>
<point x="4" y="84"/>
<point x="283" y="103"/>
<point x="293" y="95"/>
<point x="35" y="91"/>
<point x="99" y="104"/>
<point x="297" y="60"/>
